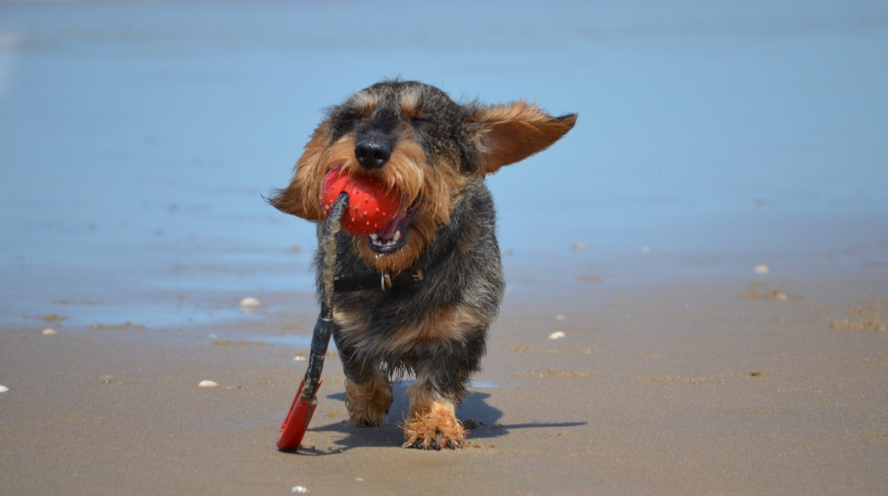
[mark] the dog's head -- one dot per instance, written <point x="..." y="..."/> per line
<point x="414" y="139"/>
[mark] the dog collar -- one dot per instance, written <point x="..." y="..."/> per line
<point x="383" y="281"/>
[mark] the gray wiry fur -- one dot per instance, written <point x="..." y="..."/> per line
<point x="462" y="267"/>
<point x="435" y="328"/>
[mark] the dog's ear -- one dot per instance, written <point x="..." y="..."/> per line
<point x="302" y="197"/>
<point x="514" y="131"/>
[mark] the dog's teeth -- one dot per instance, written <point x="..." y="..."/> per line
<point x="382" y="243"/>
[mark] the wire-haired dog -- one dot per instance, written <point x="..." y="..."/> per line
<point x="419" y="295"/>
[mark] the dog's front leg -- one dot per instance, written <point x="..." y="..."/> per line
<point x="439" y="386"/>
<point x="432" y="422"/>
<point x="368" y="392"/>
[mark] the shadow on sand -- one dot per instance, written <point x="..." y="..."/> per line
<point x="481" y="419"/>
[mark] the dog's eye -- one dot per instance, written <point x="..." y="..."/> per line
<point x="350" y="117"/>
<point x="421" y="121"/>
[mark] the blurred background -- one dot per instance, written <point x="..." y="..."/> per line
<point x="137" y="140"/>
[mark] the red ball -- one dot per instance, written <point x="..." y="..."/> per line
<point x="371" y="207"/>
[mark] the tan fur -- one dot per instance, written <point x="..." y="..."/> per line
<point x="301" y="198"/>
<point x="364" y="102"/>
<point x="369" y="403"/>
<point x="446" y="324"/>
<point x="433" y="151"/>
<point x="431" y="418"/>
<point x="350" y="322"/>
<point x="508" y="134"/>
<point x="515" y="131"/>
<point x="409" y="103"/>
<point x="403" y="172"/>
<point x="433" y="191"/>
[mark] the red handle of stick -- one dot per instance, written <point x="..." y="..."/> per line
<point x="296" y="423"/>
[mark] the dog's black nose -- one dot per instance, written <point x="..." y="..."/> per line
<point x="372" y="154"/>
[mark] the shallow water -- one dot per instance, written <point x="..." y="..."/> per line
<point x="137" y="140"/>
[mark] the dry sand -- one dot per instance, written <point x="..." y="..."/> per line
<point x="706" y="387"/>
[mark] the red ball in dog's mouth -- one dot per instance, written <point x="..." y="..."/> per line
<point x="371" y="207"/>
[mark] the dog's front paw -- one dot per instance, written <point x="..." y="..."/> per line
<point x="436" y="429"/>
<point x="368" y="405"/>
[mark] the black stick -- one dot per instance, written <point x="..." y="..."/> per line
<point x="320" y="337"/>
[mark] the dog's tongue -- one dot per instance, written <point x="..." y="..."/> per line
<point x="393" y="226"/>
<point x="371" y="208"/>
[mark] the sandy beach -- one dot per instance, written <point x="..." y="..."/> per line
<point x="697" y="275"/>
<point x="742" y="386"/>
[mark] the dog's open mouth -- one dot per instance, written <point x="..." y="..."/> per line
<point x="394" y="236"/>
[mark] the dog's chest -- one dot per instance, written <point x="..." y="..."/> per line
<point x="389" y="323"/>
